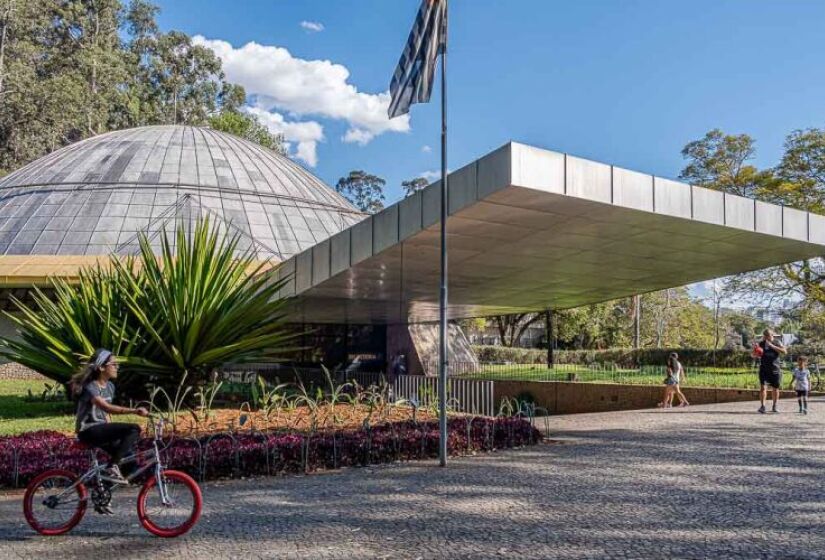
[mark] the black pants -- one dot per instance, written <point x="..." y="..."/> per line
<point x="115" y="438"/>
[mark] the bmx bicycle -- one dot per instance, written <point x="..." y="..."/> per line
<point x="168" y="505"/>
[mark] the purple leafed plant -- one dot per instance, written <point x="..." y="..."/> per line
<point x="249" y="453"/>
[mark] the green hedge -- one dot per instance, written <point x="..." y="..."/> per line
<point x="621" y="357"/>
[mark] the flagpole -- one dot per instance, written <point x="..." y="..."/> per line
<point x="442" y="304"/>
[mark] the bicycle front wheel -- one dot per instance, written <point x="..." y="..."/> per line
<point x="176" y="514"/>
<point x="54" y="502"/>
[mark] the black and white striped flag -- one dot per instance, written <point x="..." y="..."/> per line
<point x="412" y="81"/>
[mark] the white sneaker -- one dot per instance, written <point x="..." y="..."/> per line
<point x="112" y="474"/>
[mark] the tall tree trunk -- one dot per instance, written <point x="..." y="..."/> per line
<point x="3" y="35"/>
<point x="93" y="102"/>
<point x="661" y="323"/>
<point x="548" y="329"/>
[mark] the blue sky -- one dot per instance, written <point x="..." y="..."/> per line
<point x="626" y="82"/>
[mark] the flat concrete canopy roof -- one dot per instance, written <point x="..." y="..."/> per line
<point x="531" y="229"/>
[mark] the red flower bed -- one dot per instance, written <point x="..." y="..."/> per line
<point x="259" y="453"/>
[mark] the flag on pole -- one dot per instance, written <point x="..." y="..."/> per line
<point x="412" y="81"/>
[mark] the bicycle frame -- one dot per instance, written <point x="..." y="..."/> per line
<point x="153" y="456"/>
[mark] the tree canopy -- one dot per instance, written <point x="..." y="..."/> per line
<point x="412" y="186"/>
<point x="71" y="69"/>
<point x="718" y="161"/>
<point x="364" y="190"/>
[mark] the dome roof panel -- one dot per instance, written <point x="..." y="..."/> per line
<point x="92" y="196"/>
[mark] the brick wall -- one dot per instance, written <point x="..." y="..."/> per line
<point x="572" y="398"/>
<point x="12" y="370"/>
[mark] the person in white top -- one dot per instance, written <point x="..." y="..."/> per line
<point x="802" y="383"/>
<point x="675" y="373"/>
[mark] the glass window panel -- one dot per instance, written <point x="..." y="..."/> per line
<point x="120" y="197"/>
<point x="51" y="237"/>
<point x="91" y="210"/>
<point x="232" y="203"/>
<point x="83" y="224"/>
<point x="140" y="211"/>
<point x="27" y="237"/>
<point x="24" y="212"/>
<point x="71" y="249"/>
<point x="117" y="209"/>
<point x="258" y="218"/>
<point x="99" y="197"/>
<point x="36" y="223"/>
<point x="59" y="223"/>
<point x="80" y="237"/>
<point x="132" y="223"/>
<point x="69" y="210"/>
<point x="127" y="236"/>
<point x="98" y="250"/>
<point x="108" y="223"/>
<point x="20" y="249"/>
<point x="143" y="198"/>
<point x="44" y="249"/>
<point x="13" y="224"/>
<point x="104" y="238"/>
<point x="56" y="198"/>
<point x="47" y="210"/>
<point x="166" y="198"/>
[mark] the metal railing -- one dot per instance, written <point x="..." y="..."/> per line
<point x="470" y="396"/>
<point x="744" y="378"/>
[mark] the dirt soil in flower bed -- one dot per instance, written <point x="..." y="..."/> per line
<point x="343" y="417"/>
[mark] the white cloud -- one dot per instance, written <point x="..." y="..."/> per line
<point x="305" y="135"/>
<point x="279" y="81"/>
<point x="426" y="149"/>
<point x="313" y="26"/>
<point x="431" y="175"/>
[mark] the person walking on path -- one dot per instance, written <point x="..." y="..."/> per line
<point x="802" y="383"/>
<point x="675" y="372"/>
<point x="769" y="350"/>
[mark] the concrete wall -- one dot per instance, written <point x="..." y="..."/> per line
<point x="399" y="341"/>
<point x="424" y="340"/>
<point x="573" y="398"/>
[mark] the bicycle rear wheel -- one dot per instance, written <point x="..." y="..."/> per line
<point x="181" y="511"/>
<point x="51" y="505"/>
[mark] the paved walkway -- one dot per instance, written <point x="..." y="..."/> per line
<point x="714" y="481"/>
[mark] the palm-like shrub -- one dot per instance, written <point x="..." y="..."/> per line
<point x="61" y="330"/>
<point x="178" y="312"/>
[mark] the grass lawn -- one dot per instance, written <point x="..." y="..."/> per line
<point x="17" y="415"/>
<point x="648" y="375"/>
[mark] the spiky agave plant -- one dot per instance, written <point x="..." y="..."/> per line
<point x="57" y="333"/>
<point x="168" y="315"/>
<point x="200" y="307"/>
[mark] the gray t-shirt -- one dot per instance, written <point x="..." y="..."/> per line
<point x="87" y="413"/>
<point x="801" y="379"/>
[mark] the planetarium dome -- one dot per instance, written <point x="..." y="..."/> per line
<point x="92" y="198"/>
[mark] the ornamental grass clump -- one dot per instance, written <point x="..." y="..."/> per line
<point x="197" y="305"/>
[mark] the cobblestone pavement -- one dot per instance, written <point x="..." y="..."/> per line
<point x="705" y="482"/>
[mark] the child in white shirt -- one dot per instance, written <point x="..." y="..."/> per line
<point x="802" y="383"/>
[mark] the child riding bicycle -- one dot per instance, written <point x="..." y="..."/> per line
<point x="94" y="391"/>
